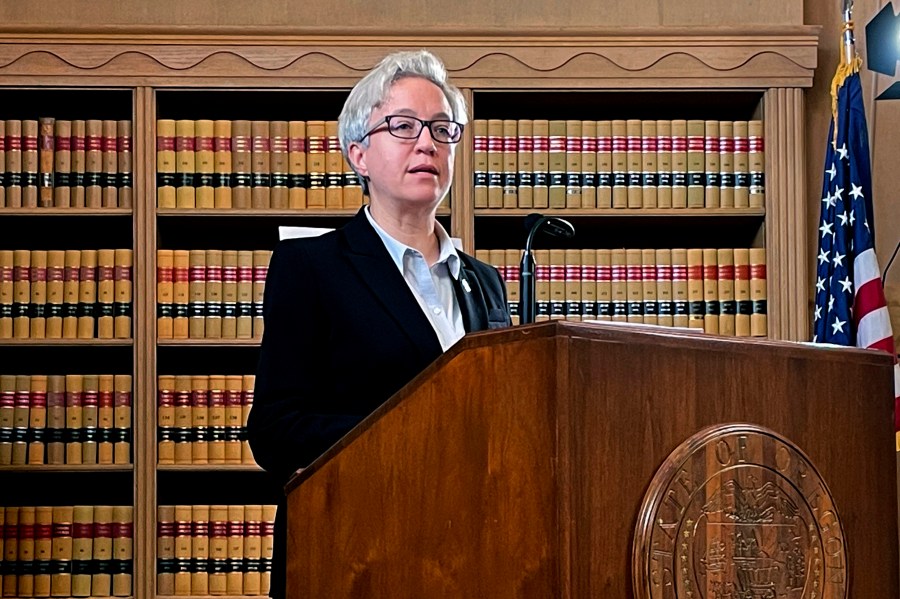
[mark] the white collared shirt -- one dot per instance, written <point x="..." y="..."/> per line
<point x="432" y="287"/>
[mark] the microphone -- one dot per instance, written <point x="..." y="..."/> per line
<point x="535" y="223"/>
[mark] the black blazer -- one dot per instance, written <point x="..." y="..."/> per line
<point x="343" y="332"/>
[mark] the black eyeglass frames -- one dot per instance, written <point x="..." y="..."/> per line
<point x="409" y="127"/>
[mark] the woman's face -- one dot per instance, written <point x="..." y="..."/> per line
<point x="407" y="172"/>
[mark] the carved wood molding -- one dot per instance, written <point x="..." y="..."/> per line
<point x="687" y="59"/>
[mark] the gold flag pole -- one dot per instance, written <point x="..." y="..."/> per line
<point x="847" y="31"/>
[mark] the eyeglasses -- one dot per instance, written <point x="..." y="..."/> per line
<point x="409" y="127"/>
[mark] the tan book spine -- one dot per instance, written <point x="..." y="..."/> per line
<point x="38" y="309"/>
<point x="480" y="162"/>
<point x="204" y="163"/>
<point x="234" y="579"/>
<point x="101" y="579"/>
<point x="511" y="277"/>
<point x="280" y="163"/>
<point x="353" y="194"/>
<point x="165" y="306"/>
<point x="758" y="292"/>
<point x="649" y="160"/>
<point x="604" y="164"/>
<point x="105" y="419"/>
<point x="663" y="257"/>
<point x="299" y="180"/>
<point x="315" y="163"/>
<point x="71" y="284"/>
<point x="122" y="414"/>
<point x="268" y="548"/>
<point x="604" y="284"/>
<point x="588" y="275"/>
<point x="495" y="163"/>
<point x="244" y="294"/>
<point x="252" y="549"/>
<point x="122" y="290"/>
<point x="46" y="155"/>
<point x="217" y="428"/>
<point x="183" y="421"/>
<point x="679" y="164"/>
<point x="510" y="164"/>
<point x="79" y="162"/>
<point x="110" y="160"/>
<point x="200" y="549"/>
<point x="557" y="284"/>
<point x="165" y="163"/>
<point x="56" y="419"/>
<point x="11" y="550"/>
<point x="711" y="291"/>
<point x="588" y="164"/>
<point x="124" y="163"/>
<point x="541" y="157"/>
<point x="744" y="305"/>
<point x="260" y="270"/>
<point x="634" y="285"/>
<point x="260" y="196"/>
<point x="106" y="293"/>
<point x="180" y="293"/>
<point x="21" y="408"/>
<point x="43" y="549"/>
<point x="233" y="419"/>
<point x="649" y="286"/>
<point x="93" y="163"/>
<point x="74" y="417"/>
<point x="37" y="419"/>
<point x="241" y="164"/>
<point x="696" y="164"/>
<point x="200" y="419"/>
<point x="6" y="294"/>
<point x="334" y="168"/>
<point x="634" y="164"/>
<point x="123" y="550"/>
<point x="90" y="421"/>
<point x="664" y="163"/>
<point x="30" y="163"/>
<point x="61" y="551"/>
<point x="183" y="515"/>
<point x="82" y="549"/>
<point x="185" y="151"/>
<point x="213" y="293"/>
<point x="21" y="293"/>
<point x="557" y="164"/>
<point x="525" y="163"/>
<point x="573" y="164"/>
<point x="7" y="417"/>
<point x="712" y="166"/>
<point x="619" y="284"/>
<point x="165" y="419"/>
<point x="726" y="164"/>
<point x="222" y="164"/>
<point x="197" y="294"/>
<point x="725" y="281"/>
<point x="680" y="298"/>
<point x="229" y="294"/>
<point x="573" y="284"/>
<point x="25" y="583"/>
<point x="165" y="550"/>
<point x="87" y="294"/>
<point x="741" y="164"/>
<point x="756" y="159"/>
<point x="13" y="179"/>
<point x="695" y="288"/>
<point x="3" y="184"/>
<point x="248" y="381"/>
<point x="619" y="155"/>
<point x="56" y="272"/>
<point x="218" y="549"/>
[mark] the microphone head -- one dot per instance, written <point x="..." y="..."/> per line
<point x="558" y="227"/>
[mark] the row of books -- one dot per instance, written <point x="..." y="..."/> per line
<point x="65" y="419"/>
<point x="253" y="164"/>
<point x="212" y="294"/>
<point x="65" y="294"/>
<point x="52" y="163"/>
<point x="202" y="419"/>
<point x="721" y="291"/>
<point x="214" y="549"/>
<point x="66" y="551"/>
<point x="618" y="164"/>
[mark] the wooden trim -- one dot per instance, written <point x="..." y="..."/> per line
<point x="82" y="468"/>
<point x="207" y="342"/>
<point x="751" y="213"/>
<point x="66" y="342"/>
<point x="208" y="468"/>
<point x="65" y="211"/>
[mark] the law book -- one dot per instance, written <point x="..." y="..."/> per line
<point x="165" y="419"/>
<point x="681" y="304"/>
<point x="183" y="431"/>
<point x="123" y="550"/>
<point x="588" y="276"/>
<point x="110" y="175"/>
<point x="56" y="273"/>
<point x="726" y="164"/>
<point x="82" y="549"/>
<point x="6" y="294"/>
<point x="604" y="180"/>
<point x="13" y="176"/>
<point x="241" y="164"/>
<point x="248" y="381"/>
<point x="102" y="551"/>
<point x="510" y="161"/>
<point x="165" y="550"/>
<point x="165" y="306"/>
<point x="199" y="419"/>
<point x="10" y="551"/>
<point x="229" y="294"/>
<point x="712" y="165"/>
<point x="665" y="305"/>
<point x="71" y="284"/>
<point x="494" y="163"/>
<point x="280" y="162"/>
<point x="20" y="420"/>
<point x="90" y="418"/>
<point x="62" y="164"/>
<point x="7" y="416"/>
<point x="233" y="419"/>
<point x="695" y="288"/>
<point x="25" y="566"/>
<point x="480" y="162"/>
<point x="634" y="163"/>
<point x="664" y="163"/>
<point x="79" y="163"/>
<point x="268" y="548"/>
<point x="106" y="288"/>
<point x="244" y="325"/>
<point x="30" y="163"/>
<point x="315" y="164"/>
<point x="696" y="163"/>
<point x="252" y="549"/>
<point x="165" y="163"/>
<point x="105" y="418"/>
<point x="60" y="551"/>
<point x="711" y="291"/>
<point x="334" y="168"/>
<point x="619" y="284"/>
<point x="3" y="185"/>
<point x="557" y="284"/>
<point x="204" y="163"/>
<point x="74" y="418"/>
<point x="213" y="294"/>
<point x="261" y="165"/>
<point x="197" y="294"/>
<point x="756" y="160"/>
<point x="619" y="158"/>
<point x="634" y="286"/>
<point x="37" y="311"/>
<point x="37" y="419"/>
<point x="741" y="164"/>
<point x="43" y="549"/>
<point x="572" y="259"/>
<point x="573" y="164"/>
<point x="93" y="163"/>
<point x="679" y="164"/>
<point x="649" y="175"/>
<point x="541" y="159"/>
<point x="524" y="163"/>
<point x="222" y="164"/>
<point x="21" y="293"/>
<point x="649" y="283"/>
<point x="743" y="303"/>
<point x="218" y="549"/>
<point x="260" y="269"/>
<point x="557" y="164"/>
<point x="87" y="294"/>
<point x="185" y="193"/>
<point x="353" y="194"/>
<point x="56" y="419"/>
<point x="725" y="279"/>
<point x="122" y="307"/>
<point x="46" y="155"/>
<point x="216" y="420"/>
<point x="604" y="284"/>
<point x="124" y="164"/>
<point x="511" y="277"/>
<point x="180" y="293"/>
<point x="298" y="180"/>
<point x="234" y="578"/>
<point x="122" y="384"/>
<point x="758" y="292"/>
<point x="200" y="549"/>
<point x="588" y="164"/>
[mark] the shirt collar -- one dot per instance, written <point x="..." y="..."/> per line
<point x="397" y="249"/>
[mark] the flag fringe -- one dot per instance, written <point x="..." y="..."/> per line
<point x="844" y="70"/>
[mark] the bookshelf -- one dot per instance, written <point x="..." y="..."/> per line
<point x="726" y="73"/>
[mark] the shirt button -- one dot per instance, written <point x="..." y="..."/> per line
<point x="436" y="310"/>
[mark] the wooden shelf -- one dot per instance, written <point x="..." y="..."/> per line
<point x="66" y="342"/>
<point x="208" y="342"/>
<point x="212" y="596"/>
<point x="66" y="211"/>
<point x="268" y="212"/>
<point x="69" y="468"/>
<point x="208" y="468"/>
<point x="625" y="212"/>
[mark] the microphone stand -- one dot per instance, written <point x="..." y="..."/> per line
<point x="557" y="228"/>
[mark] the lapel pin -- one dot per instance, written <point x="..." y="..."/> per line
<point x="465" y="285"/>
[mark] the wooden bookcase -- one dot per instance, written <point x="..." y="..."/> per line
<point x="605" y="75"/>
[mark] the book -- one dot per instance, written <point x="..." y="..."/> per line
<point x="695" y="288"/>
<point x="756" y="160"/>
<point x="604" y="285"/>
<point x="234" y="577"/>
<point x="268" y="548"/>
<point x="106" y="287"/>
<point x="679" y="163"/>
<point x="315" y="164"/>
<point x="74" y="418"/>
<point x="353" y="194"/>
<point x="122" y="311"/>
<point x="21" y="293"/>
<point x="244" y="325"/>
<point x="480" y="162"/>
<point x="229" y="294"/>
<point x="43" y="549"/>
<point x="56" y="419"/>
<point x="183" y="431"/>
<point x="241" y="164"/>
<point x="30" y="163"/>
<point x="79" y="163"/>
<point x="541" y="160"/>
<point x="712" y="164"/>
<point x="122" y="554"/>
<point x="619" y="157"/>
<point x="573" y="164"/>
<point x="217" y="428"/>
<point x="10" y="550"/>
<point x="279" y="133"/>
<point x="524" y="163"/>
<point x="200" y="549"/>
<point x="56" y="274"/>
<point x="758" y="292"/>
<point x="588" y="164"/>
<point x="124" y="161"/>
<point x="557" y="164"/>
<point x="20" y="420"/>
<point x="165" y="550"/>
<point x="71" y="284"/>
<point x="557" y="284"/>
<point x="197" y="294"/>
<point x="573" y="291"/>
<point x="13" y="155"/>
<point x="46" y="156"/>
<point x="101" y="576"/>
<point x="298" y="181"/>
<point x="649" y="286"/>
<point x="180" y="293"/>
<point x="37" y="419"/>
<point x="213" y="292"/>
<point x="261" y="165"/>
<point x="199" y="419"/>
<point x="165" y="419"/>
<point x="619" y="285"/>
<point x="61" y="551"/>
<point x="741" y="164"/>
<point x="252" y="549"/>
<point x="634" y="162"/>
<point x="511" y="277"/>
<point x="649" y="158"/>
<point x="604" y="164"/>
<point x="510" y="164"/>
<point x="6" y="294"/>
<point x="2" y="197"/>
<point x="25" y="566"/>
<point x="248" y="381"/>
<point x="494" y="163"/>
<point x="37" y="310"/>
<point x="93" y="163"/>
<point x="62" y="164"/>
<point x="218" y="549"/>
<point x="666" y="307"/>
<point x="726" y="164"/>
<point x="664" y="163"/>
<point x="711" y="291"/>
<point x="7" y="416"/>
<point x="82" y="549"/>
<point x="165" y="163"/>
<point x="743" y="303"/>
<point x="725" y="279"/>
<point x="165" y="292"/>
<point x="222" y="164"/>
<point x="334" y="168"/>
<point x="260" y="270"/>
<point x="122" y="418"/>
<point x="87" y="294"/>
<point x="105" y="419"/>
<point x="634" y="285"/>
<point x="588" y="277"/>
<point x="681" y="305"/>
<point x="233" y="419"/>
<point x="185" y="193"/>
<point x="109" y="180"/>
<point x="204" y="163"/>
<point x="90" y="418"/>
<point x="696" y="163"/>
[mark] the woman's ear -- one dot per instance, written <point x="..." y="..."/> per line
<point x="356" y="155"/>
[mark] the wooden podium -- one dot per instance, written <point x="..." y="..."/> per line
<point x="516" y="465"/>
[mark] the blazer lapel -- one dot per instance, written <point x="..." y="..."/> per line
<point x="470" y="298"/>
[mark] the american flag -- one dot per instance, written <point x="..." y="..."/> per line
<point x="850" y="303"/>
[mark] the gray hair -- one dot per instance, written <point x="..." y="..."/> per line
<point x="373" y="90"/>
